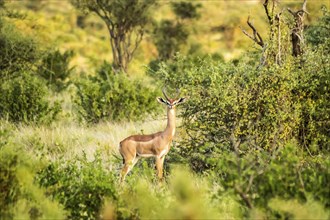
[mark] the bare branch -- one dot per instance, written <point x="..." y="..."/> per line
<point x="256" y="36"/>
<point x="243" y="195"/>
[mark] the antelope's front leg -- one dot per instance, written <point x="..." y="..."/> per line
<point x="159" y="166"/>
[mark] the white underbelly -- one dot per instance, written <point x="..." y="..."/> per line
<point x="163" y="152"/>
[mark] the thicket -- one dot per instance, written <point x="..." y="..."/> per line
<point x="113" y="96"/>
<point x="23" y="99"/>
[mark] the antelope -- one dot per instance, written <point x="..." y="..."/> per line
<point x="155" y="145"/>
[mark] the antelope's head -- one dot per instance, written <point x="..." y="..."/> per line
<point x="171" y="103"/>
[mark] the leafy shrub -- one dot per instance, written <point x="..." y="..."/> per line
<point x="115" y="97"/>
<point x="55" y="69"/>
<point x="80" y="185"/>
<point x="23" y="99"/>
<point x="318" y="34"/>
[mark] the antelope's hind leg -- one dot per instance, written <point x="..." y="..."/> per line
<point x="128" y="166"/>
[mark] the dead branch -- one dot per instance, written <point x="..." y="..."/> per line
<point x="256" y="36"/>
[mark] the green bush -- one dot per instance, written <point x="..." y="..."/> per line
<point x="318" y="34"/>
<point x="23" y="99"/>
<point x="80" y="185"/>
<point x="17" y="51"/>
<point x="55" y="69"/>
<point x="20" y="197"/>
<point x="114" y="96"/>
<point x="312" y="94"/>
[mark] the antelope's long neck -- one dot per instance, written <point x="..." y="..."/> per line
<point x="170" y="128"/>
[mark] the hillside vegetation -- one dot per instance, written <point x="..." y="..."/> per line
<point x="252" y="139"/>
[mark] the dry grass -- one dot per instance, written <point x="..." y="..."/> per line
<point x="70" y="139"/>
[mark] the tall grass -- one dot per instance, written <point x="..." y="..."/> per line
<point x="67" y="140"/>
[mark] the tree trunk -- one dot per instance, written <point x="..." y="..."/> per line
<point x="297" y="38"/>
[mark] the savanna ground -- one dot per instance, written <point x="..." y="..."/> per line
<point x="252" y="140"/>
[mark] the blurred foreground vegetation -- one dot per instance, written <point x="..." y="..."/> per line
<point x="253" y="138"/>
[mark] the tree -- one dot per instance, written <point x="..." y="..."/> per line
<point x="170" y="35"/>
<point x="125" y="20"/>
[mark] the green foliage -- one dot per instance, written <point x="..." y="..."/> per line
<point x="319" y="33"/>
<point x="23" y="96"/>
<point x="311" y="93"/>
<point x="287" y="174"/>
<point x="115" y="97"/>
<point x="55" y="69"/>
<point x="185" y="196"/>
<point x="23" y="99"/>
<point x="80" y="185"/>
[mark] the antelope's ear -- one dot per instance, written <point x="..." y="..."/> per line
<point x="161" y="100"/>
<point x="181" y="100"/>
